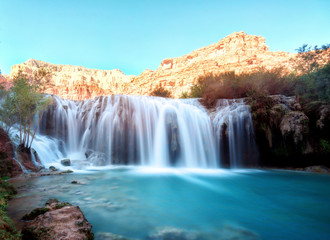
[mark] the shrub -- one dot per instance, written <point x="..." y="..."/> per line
<point x="314" y="86"/>
<point x="161" y="92"/>
<point x="230" y="85"/>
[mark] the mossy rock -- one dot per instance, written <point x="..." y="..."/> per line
<point x="35" y="213"/>
<point x="62" y="204"/>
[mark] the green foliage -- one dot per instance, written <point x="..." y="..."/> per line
<point x="325" y="145"/>
<point x="315" y="85"/>
<point x="21" y="105"/>
<point x="62" y="204"/>
<point x="310" y="58"/>
<point x="7" y="228"/>
<point x="161" y="92"/>
<point x="8" y="114"/>
<point x="184" y="95"/>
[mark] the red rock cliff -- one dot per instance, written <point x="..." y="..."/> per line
<point x="237" y="52"/>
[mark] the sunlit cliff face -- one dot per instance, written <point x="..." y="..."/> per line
<point x="237" y="52"/>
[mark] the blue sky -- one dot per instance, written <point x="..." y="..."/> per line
<point x="138" y="35"/>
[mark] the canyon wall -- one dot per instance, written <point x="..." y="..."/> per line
<point x="237" y="52"/>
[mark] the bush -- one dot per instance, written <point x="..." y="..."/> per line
<point x="161" y="92"/>
<point x="230" y="85"/>
<point x="314" y="86"/>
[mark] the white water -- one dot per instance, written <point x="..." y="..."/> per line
<point x="119" y="129"/>
<point x="234" y="133"/>
<point x="147" y="131"/>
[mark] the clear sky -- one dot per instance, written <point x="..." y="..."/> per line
<point x="137" y="35"/>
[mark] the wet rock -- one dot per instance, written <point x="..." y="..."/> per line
<point x="317" y="169"/>
<point x="52" y="168"/>
<point x="66" y="162"/>
<point x="88" y="153"/>
<point x="24" y="156"/>
<point x="97" y="159"/>
<point x="74" y="182"/>
<point x="61" y="221"/>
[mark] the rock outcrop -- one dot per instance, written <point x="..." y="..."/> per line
<point x="8" y="166"/>
<point x="237" y="52"/>
<point x="57" y="220"/>
<point x="288" y="135"/>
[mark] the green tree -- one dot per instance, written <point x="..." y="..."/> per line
<point x="315" y="86"/>
<point x="7" y="113"/>
<point x="25" y="105"/>
<point x="310" y="58"/>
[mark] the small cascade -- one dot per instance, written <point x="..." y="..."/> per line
<point x="234" y="133"/>
<point x="119" y="129"/>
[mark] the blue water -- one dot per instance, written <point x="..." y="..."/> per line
<point x="250" y="204"/>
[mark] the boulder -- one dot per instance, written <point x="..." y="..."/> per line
<point x="66" y="162"/>
<point x="57" y="221"/>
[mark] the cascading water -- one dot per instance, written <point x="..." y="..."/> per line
<point x="148" y="131"/>
<point x="133" y="130"/>
<point x="234" y="133"/>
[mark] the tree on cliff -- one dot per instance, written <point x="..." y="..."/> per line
<point x="25" y="106"/>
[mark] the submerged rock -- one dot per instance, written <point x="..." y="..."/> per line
<point x="172" y="233"/>
<point x="66" y="162"/>
<point x="58" y="220"/>
<point x="317" y="169"/>
<point x="235" y="232"/>
<point x="110" y="236"/>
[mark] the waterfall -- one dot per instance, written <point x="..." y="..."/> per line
<point x="119" y="129"/>
<point x="234" y="133"/>
<point x="147" y="131"/>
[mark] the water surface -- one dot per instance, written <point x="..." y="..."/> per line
<point x="214" y="204"/>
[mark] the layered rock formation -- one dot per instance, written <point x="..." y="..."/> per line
<point x="237" y="52"/>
